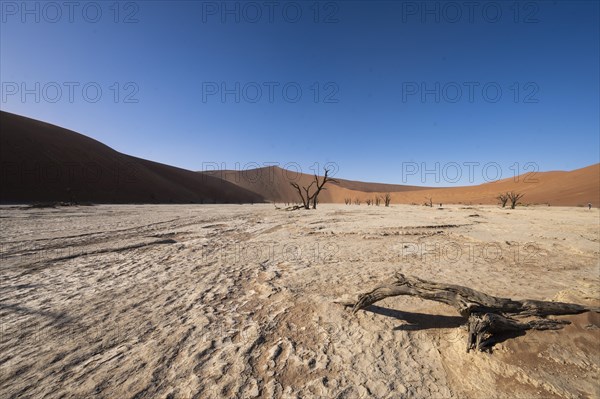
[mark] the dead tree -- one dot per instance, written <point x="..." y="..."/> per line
<point x="347" y="201"/>
<point x="369" y="201"/>
<point x="387" y="199"/>
<point x="356" y="201"/>
<point x="307" y="197"/>
<point x="486" y="316"/>
<point x="514" y="197"/>
<point x="429" y="202"/>
<point x="503" y="198"/>
<point x="321" y="186"/>
<point x="377" y="200"/>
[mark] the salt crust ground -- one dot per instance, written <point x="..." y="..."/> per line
<point x="212" y="301"/>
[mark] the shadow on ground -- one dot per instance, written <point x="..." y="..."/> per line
<point x="418" y="321"/>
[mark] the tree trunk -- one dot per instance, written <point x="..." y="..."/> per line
<point x="486" y="315"/>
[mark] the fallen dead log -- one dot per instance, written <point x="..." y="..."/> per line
<point x="294" y="208"/>
<point x="486" y="316"/>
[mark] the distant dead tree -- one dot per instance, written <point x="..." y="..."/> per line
<point x="429" y="202"/>
<point x="514" y="197"/>
<point x="356" y="201"/>
<point x="503" y="198"/>
<point x="377" y="200"/>
<point x="321" y="186"/>
<point x="347" y="201"/>
<point x="387" y="198"/>
<point x="369" y="201"/>
<point x="307" y="197"/>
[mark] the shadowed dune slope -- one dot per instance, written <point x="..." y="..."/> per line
<point x="43" y="162"/>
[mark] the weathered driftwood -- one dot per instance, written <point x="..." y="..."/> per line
<point x="486" y="315"/>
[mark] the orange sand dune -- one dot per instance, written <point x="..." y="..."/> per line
<point x="573" y="188"/>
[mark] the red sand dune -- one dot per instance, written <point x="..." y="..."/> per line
<point x="43" y="162"/>
<point x="273" y="183"/>
<point x="575" y="188"/>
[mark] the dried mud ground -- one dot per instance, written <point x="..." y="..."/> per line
<point x="228" y="301"/>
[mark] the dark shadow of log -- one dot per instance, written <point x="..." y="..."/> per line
<point x="418" y="321"/>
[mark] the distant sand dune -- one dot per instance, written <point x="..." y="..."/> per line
<point x="575" y="188"/>
<point x="43" y="162"/>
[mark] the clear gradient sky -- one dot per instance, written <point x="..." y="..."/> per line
<point x="383" y="84"/>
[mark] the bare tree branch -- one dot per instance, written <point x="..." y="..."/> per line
<point x="503" y="198"/>
<point x="514" y="197"/>
<point x="320" y="186"/>
<point x="304" y="201"/>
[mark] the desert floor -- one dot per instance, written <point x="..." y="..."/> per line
<point x="212" y="301"/>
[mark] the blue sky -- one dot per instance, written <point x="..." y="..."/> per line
<point x="384" y="90"/>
